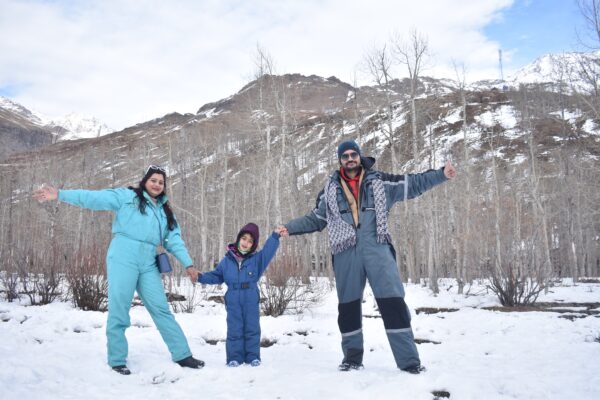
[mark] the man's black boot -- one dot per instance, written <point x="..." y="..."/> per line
<point x="349" y="365"/>
<point x="191" y="362"/>
<point x="415" y="369"/>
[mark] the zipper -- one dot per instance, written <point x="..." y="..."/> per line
<point x="363" y="199"/>
<point x="240" y="292"/>
<point x="350" y="211"/>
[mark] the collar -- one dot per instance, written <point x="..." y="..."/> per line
<point x="232" y="249"/>
<point x="160" y="200"/>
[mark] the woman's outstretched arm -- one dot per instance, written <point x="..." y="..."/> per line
<point x="107" y="199"/>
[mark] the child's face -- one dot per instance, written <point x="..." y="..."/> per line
<point x="246" y="242"/>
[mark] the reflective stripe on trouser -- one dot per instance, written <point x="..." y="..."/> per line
<point x="131" y="267"/>
<point x="376" y="264"/>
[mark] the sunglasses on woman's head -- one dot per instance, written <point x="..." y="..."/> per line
<point x="156" y="168"/>
<point x="352" y="155"/>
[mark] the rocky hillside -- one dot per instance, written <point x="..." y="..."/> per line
<point x="263" y="153"/>
<point x="22" y="130"/>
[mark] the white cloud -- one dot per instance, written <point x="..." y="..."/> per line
<point x="129" y="61"/>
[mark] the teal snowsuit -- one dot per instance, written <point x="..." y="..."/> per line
<point x="131" y="266"/>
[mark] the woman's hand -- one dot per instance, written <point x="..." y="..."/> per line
<point x="192" y="273"/>
<point x="45" y="193"/>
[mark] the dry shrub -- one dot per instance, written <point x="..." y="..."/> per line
<point x="40" y="277"/>
<point x="513" y="286"/>
<point x="181" y="295"/>
<point x="286" y="288"/>
<point x="10" y="284"/>
<point x="87" y="281"/>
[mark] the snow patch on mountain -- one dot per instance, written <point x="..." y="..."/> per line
<point x="554" y="67"/>
<point x="504" y="116"/>
<point x="564" y="72"/>
<point x="590" y="127"/>
<point x="80" y="127"/>
<point x="18" y="109"/>
<point x="71" y="126"/>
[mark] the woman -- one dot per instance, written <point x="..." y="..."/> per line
<point x="141" y="215"/>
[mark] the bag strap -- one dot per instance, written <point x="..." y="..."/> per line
<point x="159" y="227"/>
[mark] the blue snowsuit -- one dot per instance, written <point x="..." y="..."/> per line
<point x="131" y="266"/>
<point x="242" y="299"/>
<point x="371" y="260"/>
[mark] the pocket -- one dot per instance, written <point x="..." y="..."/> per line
<point x="342" y="202"/>
<point x="368" y="203"/>
<point x="130" y="208"/>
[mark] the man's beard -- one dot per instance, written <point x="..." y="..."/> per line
<point x="352" y="170"/>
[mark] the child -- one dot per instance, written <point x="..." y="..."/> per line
<point x="241" y="269"/>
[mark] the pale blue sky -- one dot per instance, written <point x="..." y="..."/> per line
<point x="531" y="28"/>
<point x="127" y="61"/>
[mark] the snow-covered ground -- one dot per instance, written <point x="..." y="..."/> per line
<point x="58" y="352"/>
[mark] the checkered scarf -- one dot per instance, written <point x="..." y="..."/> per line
<point x="342" y="235"/>
<point x="381" y="213"/>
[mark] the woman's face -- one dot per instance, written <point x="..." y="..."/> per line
<point x="155" y="185"/>
<point x="246" y="242"/>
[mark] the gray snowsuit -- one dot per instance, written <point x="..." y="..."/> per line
<point x="371" y="260"/>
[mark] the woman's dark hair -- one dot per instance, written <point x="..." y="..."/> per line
<point x="142" y="201"/>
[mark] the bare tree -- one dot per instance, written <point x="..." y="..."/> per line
<point x="378" y="63"/>
<point x="588" y="69"/>
<point x="589" y="37"/>
<point x="264" y="71"/>
<point x="357" y="115"/>
<point x="412" y="53"/>
<point x="464" y="247"/>
<point x="223" y="206"/>
<point x="534" y="185"/>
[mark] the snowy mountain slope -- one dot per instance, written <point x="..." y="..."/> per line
<point x="69" y="127"/>
<point x="78" y="126"/>
<point x="16" y="108"/>
<point x="21" y="130"/>
<point x="556" y="72"/>
<point x="556" y="68"/>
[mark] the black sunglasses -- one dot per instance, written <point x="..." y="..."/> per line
<point x="347" y="156"/>
<point x="156" y="168"/>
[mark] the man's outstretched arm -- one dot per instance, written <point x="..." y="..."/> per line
<point x="313" y="221"/>
<point x="405" y="187"/>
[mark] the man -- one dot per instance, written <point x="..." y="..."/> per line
<point x="354" y="205"/>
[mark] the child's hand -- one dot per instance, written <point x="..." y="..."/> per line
<point x="282" y="231"/>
